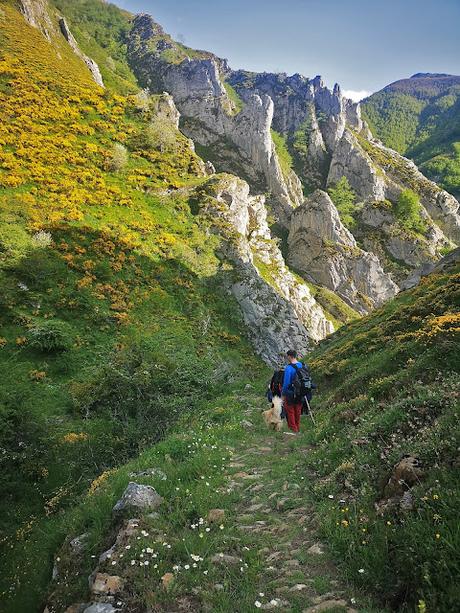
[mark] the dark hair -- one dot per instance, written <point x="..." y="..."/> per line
<point x="291" y="353"/>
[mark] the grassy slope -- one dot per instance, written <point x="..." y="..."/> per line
<point x="126" y="281"/>
<point x="101" y="30"/>
<point x="388" y="385"/>
<point x="421" y="119"/>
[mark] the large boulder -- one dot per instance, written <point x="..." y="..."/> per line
<point x="137" y="497"/>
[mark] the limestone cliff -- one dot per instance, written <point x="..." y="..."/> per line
<point x="236" y="139"/>
<point x="327" y="139"/>
<point x="322" y="249"/>
<point x="279" y="309"/>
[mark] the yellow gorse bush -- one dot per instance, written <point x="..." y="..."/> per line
<point x="75" y="437"/>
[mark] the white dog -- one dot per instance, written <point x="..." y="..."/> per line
<point x="272" y="416"/>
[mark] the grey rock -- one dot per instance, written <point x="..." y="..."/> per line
<point x="316" y="549"/>
<point x="321" y="248"/>
<point x="90" y="63"/>
<point x="78" y="544"/>
<point x="150" y="472"/>
<point x="36" y="14"/>
<point x="138" y="497"/>
<point x="225" y="559"/>
<point x="100" y="607"/>
<point x="407" y="502"/>
<point x="278" y="309"/>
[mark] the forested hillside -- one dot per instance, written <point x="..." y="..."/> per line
<point x="420" y="118"/>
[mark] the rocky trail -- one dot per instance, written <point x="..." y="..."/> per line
<point x="298" y="573"/>
<point x="260" y="544"/>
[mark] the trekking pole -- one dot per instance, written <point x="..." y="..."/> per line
<point x="310" y="412"/>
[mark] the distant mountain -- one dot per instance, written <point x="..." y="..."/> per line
<point x="420" y="118"/>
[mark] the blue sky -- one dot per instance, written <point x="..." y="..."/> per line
<point x="362" y="44"/>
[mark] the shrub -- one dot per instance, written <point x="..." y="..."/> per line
<point x="344" y="199"/>
<point x="142" y="101"/>
<point x="159" y="135"/>
<point x="15" y="243"/>
<point x="52" y="335"/>
<point x="118" y="158"/>
<point x="408" y="209"/>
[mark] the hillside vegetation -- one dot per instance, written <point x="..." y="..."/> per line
<point x="112" y="317"/>
<point x="387" y="389"/>
<point x="420" y="118"/>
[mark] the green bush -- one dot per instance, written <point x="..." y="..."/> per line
<point x="408" y="210"/>
<point x="344" y="199"/>
<point x="159" y="135"/>
<point x="15" y="243"/>
<point x="52" y="335"/>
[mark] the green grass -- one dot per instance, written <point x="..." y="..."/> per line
<point x="389" y="382"/>
<point x="234" y="97"/>
<point x="284" y="157"/>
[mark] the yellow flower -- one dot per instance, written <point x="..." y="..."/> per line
<point x="74" y="437"/>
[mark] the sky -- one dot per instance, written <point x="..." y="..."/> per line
<point x="361" y="44"/>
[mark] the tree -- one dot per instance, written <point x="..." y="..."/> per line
<point x="344" y="199"/>
<point x="408" y="210"/>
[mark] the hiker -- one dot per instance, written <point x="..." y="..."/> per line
<point x="296" y="387"/>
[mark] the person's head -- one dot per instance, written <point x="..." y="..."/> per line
<point x="291" y="356"/>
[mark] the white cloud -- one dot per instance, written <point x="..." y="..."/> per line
<point x="356" y="96"/>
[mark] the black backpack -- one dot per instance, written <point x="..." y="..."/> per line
<point x="302" y="383"/>
<point x="276" y="384"/>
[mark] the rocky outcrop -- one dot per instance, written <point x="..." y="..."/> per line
<point x="92" y="66"/>
<point x="322" y="249"/>
<point x="237" y="140"/>
<point x="329" y="140"/>
<point x="278" y="309"/>
<point x="39" y="15"/>
<point x="377" y="173"/>
<point x="137" y="497"/>
<point x="351" y="161"/>
<point x="36" y="14"/>
<point x="446" y="263"/>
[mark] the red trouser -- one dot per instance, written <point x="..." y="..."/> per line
<point x="293" y="412"/>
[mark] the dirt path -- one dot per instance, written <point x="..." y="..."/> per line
<point x="266" y="471"/>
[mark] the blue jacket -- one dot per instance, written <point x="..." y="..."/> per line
<point x="289" y="375"/>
